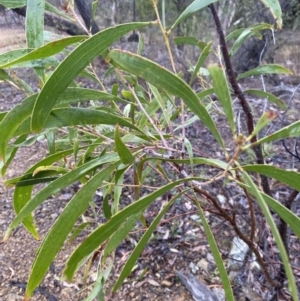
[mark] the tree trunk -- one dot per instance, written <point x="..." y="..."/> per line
<point x="85" y="9"/>
<point x="58" y="23"/>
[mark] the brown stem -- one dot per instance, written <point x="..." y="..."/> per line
<point x="242" y="236"/>
<point x="252" y="215"/>
<point x="239" y="94"/>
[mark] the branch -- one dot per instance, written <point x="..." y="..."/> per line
<point x="239" y="94"/>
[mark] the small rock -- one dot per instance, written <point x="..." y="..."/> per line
<point x="193" y="268"/>
<point x="54" y="215"/>
<point x="237" y="254"/>
<point x="153" y="282"/>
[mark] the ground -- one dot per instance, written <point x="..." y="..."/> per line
<point x="179" y="242"/>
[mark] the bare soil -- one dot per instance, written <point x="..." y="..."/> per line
<point x="179" y="242"/>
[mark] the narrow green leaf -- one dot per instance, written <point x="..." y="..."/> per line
<point x="52" y="9"/>
<point x="205" y="93"/>
<point x="42" y="178"/>
<point x="13" y="3"/>
<point x="2" y="115"/>
<point x="56" y="186"/>
<point x="164" y="79"/>
<point x="211" y="162"/>
<point x="217" y="256"/>
<point x="106" y="208"/>
<point x="118" y="187"/>
<point x="186" y="40"/>
<point x="57" y="169"/>
<point x="151" y="109"/>
<point x="222" y="90"/>
<point x="161" y="102"/>
<point x="41" y="63"/>
<point x="274" y="6"/>
<point x="21" y="196"/>
<point x="187" y="122"/>
<point x="143" y="241"/>
<point x="103" y="232"/>
<point x="29" y="141"/>
<point x="77" y="231"/>
<point x="284" y="256"/>
<point x="34" y="24"/>
<point x="291" y="178"/>
<point x="90" y="149"/>
<point x="74" y="63"/>
<point x="47" y="161"/>
<point x="99" y="283"/>
<point x="123" y="151"/>
<point x="13" y="55"/>
<point x="265" y="69"/>
<point x="234" y="34"/>
<point x="287" y="215"/>
<point x="5" y="77"/>
<point x="135" y="139"/>
<point x="290" y="131"/>
<point x="189" y="148"/>
<point x="62" y="227"/>
<point x="192" y="8"/>
<point x="15" y="117"/>
<point x="204" y="54"/>
<point x="247" y="33"/>
<point x="265" y="119"/>
<point x="39" y="53"/>
<point x="50" y="137"/>
<point x="76" y="116"/>
<point x="115" y="240"/>
<point x="10" y="154"/>
<point x="141" y="44"/>
<point x="269" y="96"/>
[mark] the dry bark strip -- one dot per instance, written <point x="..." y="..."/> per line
<point x="199" y="291"/>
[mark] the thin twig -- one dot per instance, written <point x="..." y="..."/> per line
<point x="79" y="21"/>
<point x="166" y="36"/>
<point x="241" y="235"/>
<point x="144" y="111"/>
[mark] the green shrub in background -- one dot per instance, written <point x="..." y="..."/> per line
<point x="133" y="129"/>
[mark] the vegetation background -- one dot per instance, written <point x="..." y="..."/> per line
<point x="134" y="130"/>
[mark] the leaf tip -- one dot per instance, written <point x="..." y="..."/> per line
<point x="271" y="115"/>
